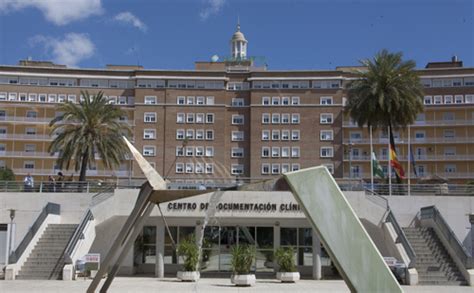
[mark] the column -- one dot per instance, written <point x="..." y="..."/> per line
<point x="471" y="219"/>
<point x="276" y="242"/>
<point x="317" y="272"/>
<point x="160" y="249"/>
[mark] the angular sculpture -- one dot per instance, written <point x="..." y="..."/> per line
<point x="329" y="213"/>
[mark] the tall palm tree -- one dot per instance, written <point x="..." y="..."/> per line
<point x="387" y="93"/>
<point x="86" y="128"/>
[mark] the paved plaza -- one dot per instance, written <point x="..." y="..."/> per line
<point x="143" y="284"/>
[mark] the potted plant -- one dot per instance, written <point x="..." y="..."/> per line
<point x="285" y="259"/>
<point x="243" y="257"/>
<point x="189" y="250"/>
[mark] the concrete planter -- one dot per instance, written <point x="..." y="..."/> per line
<point x="288" y="277"/>
<point x="188" y="276"/>
<point x="243" y="280"/>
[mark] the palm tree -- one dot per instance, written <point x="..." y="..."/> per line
<point x="86" y="128"/>
<point x="387" y="93"/>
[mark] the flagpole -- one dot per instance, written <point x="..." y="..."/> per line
<point x="389" y="166"/>
<point x="409" y="160"/>
<point x="371" y="161"/>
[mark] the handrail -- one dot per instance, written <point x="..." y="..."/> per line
<point x="431" y="212"/>
<point x="50" y="208"/>
<point x="78" y="235"/>
<point x="402" y="238"/>
<point x="99" y="197"/>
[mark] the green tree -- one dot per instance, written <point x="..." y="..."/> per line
<point x="6" y="174"/>
<point x="386" y="93"/>
<point x="93" y="125"/>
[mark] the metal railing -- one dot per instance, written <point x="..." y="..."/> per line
<point x="423" y="189"/>
<point x="78" y="235"/>
<point x="50" y="208"/>
<point x="439" y="157"/>
<point x="404" y="140"/>
<point x="57" y="186"/>
<point x="432" y="213"/>
<point x="402" y="238"/>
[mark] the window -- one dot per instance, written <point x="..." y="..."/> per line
<point x="200" y="100"/>
<point x="179" y="151"/>
<point x="457" y="82"/>
<point x="469" y="82"/>
<point x="325" y="118"/>
<point x="285" y="152"/>
<point x="209" y="118"/>
<point x="285" y="168"/>
<point x="275" y="134"/>
<point x="237" y="136"/>
<point x="199" y="168"/>
<point x="237" y="169"/>
<point x="149" y="117"/>
<point x="150" y="100"/>
<point x="30" y="131"/>
<point x="295" y="100"/>
<point x="285" y="118"/>
<point x="355" y="136"/>
<point x="32" y="97"/>
<point x="265" y="118"/>
<point x="12" y="96"/>
<point x="295" y="152"/>
<point x="209" y="100"/>
<point x="30" y="148"/>
<point x="23" y="97"/>
<point x="330" y="167"/>
<point x="265" y="134"/>
<point x="200" y="118"/>
<point x="285" y="100"/>
<point x="325" y="100"/>
<point x="149" y="151"/>
<point x="295" y="135"/>
<point x="238" y="102"/>
<point x="199" y="134"/>
<point x="149" y="134"/>
<point x="189" y="151"/>
<point x="275" y="168"/>
<point x="438" y="100"/>
<point x="448" y="99"/>
<point x="295" y="167"/>
<point x="190" y="134"/>
<point x="31" y="115"/>
<point x="180" y="100"/>
<point x="326" y="152"/>
<point x="428" y="100"/>
<point x="265" y="152"/>
<point x="237" y="153"/>
<point x="189" y="167"/>
<point x="190" y="100"/>
<point x="458" y="99"/>
<point x="450" y="151"/>
<point x="275" y="152"/>
<point x="209" y="134"/>
<point x="448" y="116"/>
<point x="180" y="134"/>
<point x="275" y="101"/>
<point x="450" y="168"/>
<point x="41" y="97"/>
<point x="295" y="118"/>
<point x="265" y="168"/>
<point x="420" y="135"/>
<point x="449" y="134"/>
<point x="469" y="99"/>
<point x="237" y="119"/>
<point x="265" y="100"/>
<point x="275" y="118"/>
<point x="3" y="96"/>
<point x="285" y="134"/>
<point x="209" y="168"/>
<point x="326" y="135"/>
<point x="29" y="164"/>
<point x="180" y="117"/>
<point x="190" y="118"/>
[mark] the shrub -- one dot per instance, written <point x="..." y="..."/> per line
<point x="243" y="257"/>
<point x="189" y="250"/>
<point x="6" y="174"/>
<point x="285" y="258"/>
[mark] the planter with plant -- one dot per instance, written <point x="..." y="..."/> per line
<point x="285" y="258"/>
<point x="189" y="250"/>
<point x="243" y="257"/>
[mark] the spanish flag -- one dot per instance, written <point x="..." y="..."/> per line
<point x="394" y="160"/>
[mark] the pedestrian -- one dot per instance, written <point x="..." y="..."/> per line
<point x="59" y="182"/>
<point x="29" y="183"/>
<point x="51" y="184"/>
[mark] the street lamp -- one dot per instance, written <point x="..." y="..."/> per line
<point x="350" y="145"/>
<point x="10" y="241"/>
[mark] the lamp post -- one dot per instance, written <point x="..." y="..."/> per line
<point x="10" y="240"/>
<point x="350" y="145"/>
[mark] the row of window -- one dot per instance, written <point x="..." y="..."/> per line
<point x="284" y="134"/>
<point x="198" y="168"/>
<point x="198" y="151"/>
<point x="420" y="170"/>
<point x="197" y="134"/>
<point x="277" y="118"/>
<point x="277" y="152"/>
<point x="303" y="84"/>
<point x="285" y="101"/>
<point x="279" y="168"/>
<point x="192" y="100"/>
<point x="419" y="135"/>
<point x="58" y="98"/>
<point x="447" y="82"/>
<point x="194" y="118"/>
<point x="448" y="99"/>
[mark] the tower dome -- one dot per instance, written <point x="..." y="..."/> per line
<point x="238" y="45"/>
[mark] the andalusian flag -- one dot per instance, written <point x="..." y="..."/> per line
<point x="377" y="169"/>
<point x="394" y="160"/>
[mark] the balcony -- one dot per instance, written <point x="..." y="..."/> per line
<point x="26" y="137"/>
<point x="46" y="172"/>
<point x="12" y="154"/>
<point x="413" y="141"/>
<point x="417" y="158"/>
<point x="459" y="122"/>
<point x="24" y="119"/>
<point x="447" y="175"/>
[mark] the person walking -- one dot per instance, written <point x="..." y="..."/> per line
<point x="59" y="182"/>
<point x="29" y="183"/>
<point x="51" y="184"/>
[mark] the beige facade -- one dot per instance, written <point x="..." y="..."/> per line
<point x="239" y="121"/>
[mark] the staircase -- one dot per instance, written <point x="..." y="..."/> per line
<point x="433" y="263"/>
<point x="46" y="260"/>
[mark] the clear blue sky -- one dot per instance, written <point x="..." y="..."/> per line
<point x="289" y="34"/>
